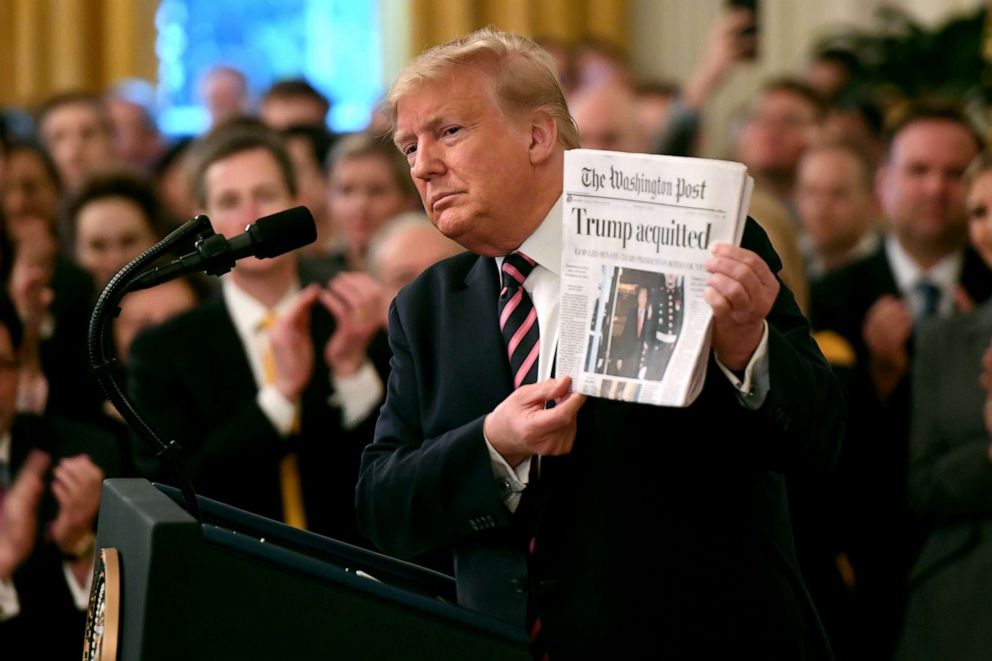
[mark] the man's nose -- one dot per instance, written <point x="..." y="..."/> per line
<point x="427" y="161"/>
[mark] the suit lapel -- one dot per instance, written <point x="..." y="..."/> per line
<point x="222" y="352"/>
<point x="477" y="345"/>
<point x="880" y="276"/>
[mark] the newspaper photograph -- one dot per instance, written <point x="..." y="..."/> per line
<point x="637" y="233"/>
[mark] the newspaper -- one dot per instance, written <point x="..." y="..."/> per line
<point x="637" y="233"/>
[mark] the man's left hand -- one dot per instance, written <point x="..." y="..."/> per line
<point x="76" y="486"/>
<point x="741" y="290"/>
<point x="355" y="300"/>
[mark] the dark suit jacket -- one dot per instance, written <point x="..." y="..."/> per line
<point x="664" y="529"/>
<point x="191" y="379"/>
<point x="950" y="486"/>
<point x="49" y="625"/>
<point x="874" y="528"/>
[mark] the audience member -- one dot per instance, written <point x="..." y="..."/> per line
<point x="272" y="398"/>
<point x="876" y="305"/>
<point x="130" y="106"/>
<point x="50" y="476"/>
<point x="781" y="123"/>
<point x="308" y="147"/>
<point x="951" y="467"/>
<point x="30" y="188"/>
<point x="113" y="218"/>
<point x="224" y="91"/>
<point x="730" y="42"/>
<point x="402" y="249"/>
<point x="595" y="61"/>
<point x="172" y="182"/>
<point x="369" y="184"/>
<point x="836" y="207"/>
<point x="606" y="115"/>
<point x="76" y="130"/>
<point x="294" y="103"/>
<point x="832" y="71"/>
<point x="147" y="308"/>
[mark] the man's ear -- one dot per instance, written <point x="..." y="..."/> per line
<point x="543" y="137"/>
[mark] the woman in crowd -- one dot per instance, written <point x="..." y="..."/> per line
<point x="950" y="479"/>
<point x="370" y="183"/>
<point x="113" y="218"/>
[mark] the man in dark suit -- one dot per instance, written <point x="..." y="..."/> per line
<point x="877" y="305"/>
<point x="50" y="475"/>
<point x="271" y="399"/>
<point x="633" y="342"/>
<point x="554" y="513"/>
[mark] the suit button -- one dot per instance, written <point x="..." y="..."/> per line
<point x="518" y="585"/>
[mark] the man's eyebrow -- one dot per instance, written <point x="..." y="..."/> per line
<point x="399" y="136"/>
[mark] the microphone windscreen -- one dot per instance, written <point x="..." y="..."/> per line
<point x="282" y="231"/>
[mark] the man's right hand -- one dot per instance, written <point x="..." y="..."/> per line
<point x="521" y="426"/>
<point x="19" y="520"/>
<point x="292" y="347"/>
<point x="888" y="326"/>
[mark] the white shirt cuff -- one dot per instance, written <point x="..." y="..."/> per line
<point x="80" y="593"/>
<point x="280" y="411"/>
<point x="357" y="395"/>
<point x="510" y="481"/>
<point x="10" y="606"/>
<point x="753" y="389"/>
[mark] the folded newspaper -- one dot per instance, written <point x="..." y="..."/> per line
<point x="637" y="233"/>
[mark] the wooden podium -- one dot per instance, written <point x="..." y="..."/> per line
<point x="239" y="586"/>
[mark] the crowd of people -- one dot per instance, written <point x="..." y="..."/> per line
<point x="272" y="378"/>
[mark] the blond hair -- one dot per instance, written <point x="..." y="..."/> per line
<point x="523" y="75"/>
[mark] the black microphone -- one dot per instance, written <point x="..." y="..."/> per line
<point x="269" y="236"/>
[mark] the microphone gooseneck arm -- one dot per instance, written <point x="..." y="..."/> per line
<point x="215" y="255"/>
<point x="106" y="365"/>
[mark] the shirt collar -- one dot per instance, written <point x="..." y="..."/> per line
<point x="907" y="273"/>
<point x="544" y="243"/>
<point x="246" y="311"/>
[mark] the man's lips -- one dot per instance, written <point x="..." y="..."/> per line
<point x="441" y="199"/>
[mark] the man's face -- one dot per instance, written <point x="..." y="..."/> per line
<point x="833" y="199"/>
<point x="242" y="188"/>
<point x="607" y="119"/>
<point x="282" y="112"/>
<point x="470" y="161"/>
<point x="77" y="139"/>
<point x="27" y="190"/>
<point x="642" y="298"/>
<point x="920" y="187"/>
<point x="363" y="195"/>
<point x="776" y="132"/>
<point x="405" y="255"/>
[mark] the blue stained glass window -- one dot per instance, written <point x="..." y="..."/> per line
<point x="334" y="44"/>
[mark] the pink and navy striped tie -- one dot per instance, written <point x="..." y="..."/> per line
<point x="518" y="319"/>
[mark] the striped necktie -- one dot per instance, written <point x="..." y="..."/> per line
<point x="518" y="323"/>
<point x="518" y="319"/>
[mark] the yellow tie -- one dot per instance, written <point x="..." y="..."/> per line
<point x="293" y="512"/>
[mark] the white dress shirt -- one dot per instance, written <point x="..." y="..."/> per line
<point x="543" y="284"/>
<point x="945" y="274"/>
<point x="357" y="395"/>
